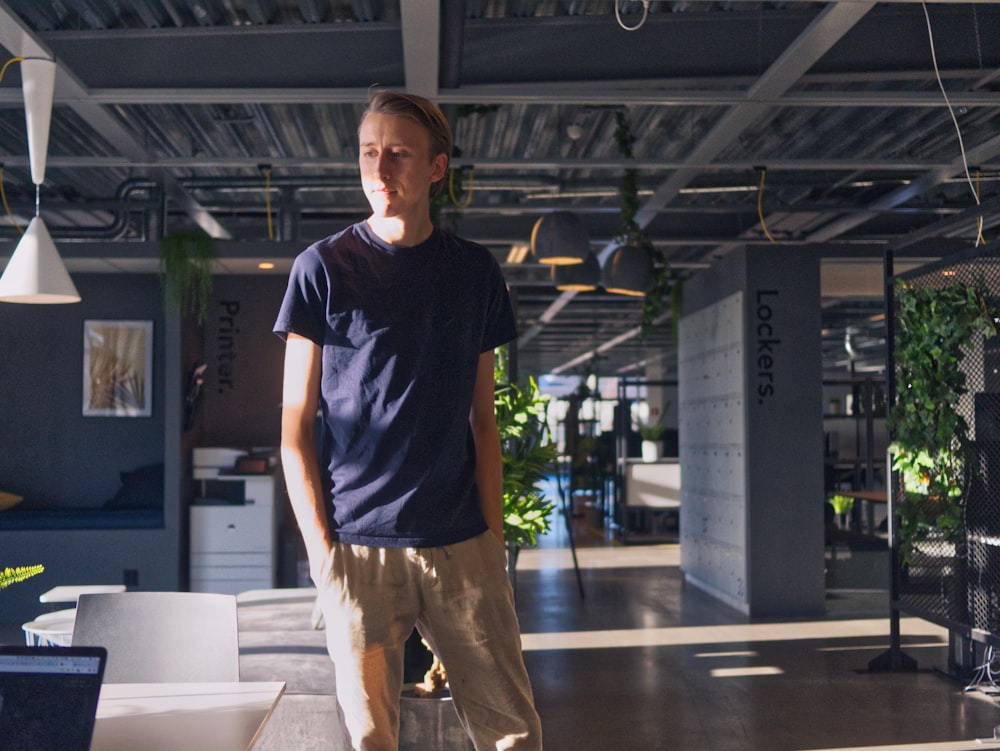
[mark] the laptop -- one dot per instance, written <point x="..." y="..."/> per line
<point x="48" y="697"/>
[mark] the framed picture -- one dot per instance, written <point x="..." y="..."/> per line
<point x="117" y="368"/>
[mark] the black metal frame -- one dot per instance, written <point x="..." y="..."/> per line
<point x="958" y="592"/>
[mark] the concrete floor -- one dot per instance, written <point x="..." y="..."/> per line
<point x="643" y="662"/>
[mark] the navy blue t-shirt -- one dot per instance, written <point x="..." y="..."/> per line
<point x="401" y="331"/>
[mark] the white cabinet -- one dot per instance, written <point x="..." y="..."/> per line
<point x="233" y="545"/>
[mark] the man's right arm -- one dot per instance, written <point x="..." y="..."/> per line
<point x="300" y="397"/>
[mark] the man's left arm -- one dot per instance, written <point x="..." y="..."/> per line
<point x="489" y="466"/>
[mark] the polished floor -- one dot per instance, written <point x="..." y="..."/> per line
<point x="642" y="662"/>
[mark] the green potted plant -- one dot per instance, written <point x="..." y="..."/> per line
<point x="930" y="445"/>
<point x="842" y="505"/>
<point x="651" y="434"/>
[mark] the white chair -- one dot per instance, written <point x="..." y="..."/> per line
<point x="162" y="637"/>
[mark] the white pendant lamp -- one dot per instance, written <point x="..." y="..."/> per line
<point x="38" y="83"/>
<point x="578" y="277"/>
<point x="560" y="238"/>
<point x="629" y="271"/>
<point x="35" y="273"/>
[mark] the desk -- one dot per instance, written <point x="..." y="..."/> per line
<point x="183" y="716"/>
<point x="652" y="495"/>
<point x="71" y="593"/>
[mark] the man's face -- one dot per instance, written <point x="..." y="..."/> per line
<point x="396" y="166"/>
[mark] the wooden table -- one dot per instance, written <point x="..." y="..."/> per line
<point x="183" y="716"/>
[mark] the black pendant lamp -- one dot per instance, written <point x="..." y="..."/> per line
<point x="578" y="277"/>
<point x="629" y="271"/>
<point x="560" y="238"/>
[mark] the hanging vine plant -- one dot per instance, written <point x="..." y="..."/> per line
<point x="931" y="448"/>
<point x="186" y="271"/>
<point x="631" y="234"/>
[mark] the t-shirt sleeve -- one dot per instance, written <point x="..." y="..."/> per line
<point x="500" y="324"/>
<point x="303" y="309"/>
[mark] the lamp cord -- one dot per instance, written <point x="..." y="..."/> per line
<point x="760" y="207"/>
<point x="3" y="193"/>
<point x="6" y="206"/>
<point x="618" y="16"/>
<point x="951" y="111"/>
<point x="267" y="200"/>
<point x="451" y="189"/>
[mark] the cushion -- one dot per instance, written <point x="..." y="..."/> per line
<point x="141" y="488"/>
<point x="8" y="500"/>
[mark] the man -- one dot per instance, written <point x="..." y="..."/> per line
<point x="390" y="328"/>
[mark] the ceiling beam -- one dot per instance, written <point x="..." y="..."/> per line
<point x="21" y="41"/>
<point x="543" y="94"/>
<point x="553" y="163"/>
<point x="819" y="36"/>
<point x="986" y="150"/>
<point x="421" y="21"/>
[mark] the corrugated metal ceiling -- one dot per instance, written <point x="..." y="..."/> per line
<point x="208" y="101"/>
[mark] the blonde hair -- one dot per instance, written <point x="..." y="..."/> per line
<point x="423" y="112"/>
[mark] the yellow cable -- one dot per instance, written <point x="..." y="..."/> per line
<point x="7" y="64"/>
<point x="451" y="189"/>
<point x="760" y="207"/>
<point x="980" y="240"/>
<point x="6" y="207"/>
<point x="267" y="199"/>
<point x="3" y="193"/>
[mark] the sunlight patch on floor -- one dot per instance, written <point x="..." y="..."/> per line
<point x="728" y="634"/>
<point x="645" y="556"/>
<point x="941" y="746"/>
<point x="745" y="672"/>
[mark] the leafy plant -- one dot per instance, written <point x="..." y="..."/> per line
<point x="186" y="271"/>
<point x="842" y="504"/>
<point x="528" y="455"/>
<point x="930" y="448"/>
<point x="651" y="431"/>
<point x="17" y="574"/>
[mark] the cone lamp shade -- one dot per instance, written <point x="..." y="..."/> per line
<point x="578" y="277"/>
<point x="35" y="273"/>
<point x="38" y="82"/>
<point x="629" y="271"/>
<point x="560" y="238"/>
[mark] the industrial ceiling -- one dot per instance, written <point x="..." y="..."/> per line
<point x="844" y="129"/>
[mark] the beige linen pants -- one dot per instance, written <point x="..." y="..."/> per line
<point x="460" y="599"/>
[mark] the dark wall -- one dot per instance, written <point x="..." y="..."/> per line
<point x="242" y="393"/>
<point x="49" y="452"/>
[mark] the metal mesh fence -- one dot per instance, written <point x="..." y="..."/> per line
<point x="954" y="579"/>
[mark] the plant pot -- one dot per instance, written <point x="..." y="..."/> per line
<point x="430" y="723"/>
<point x="650" y="451"/>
